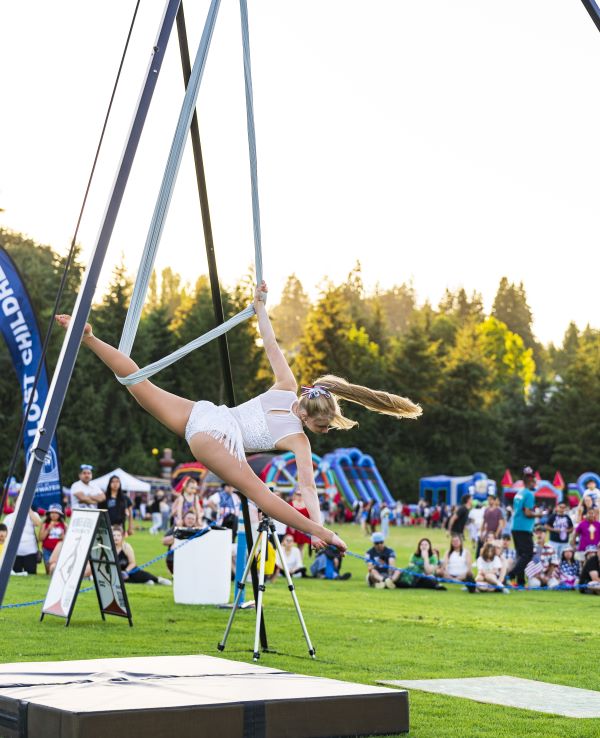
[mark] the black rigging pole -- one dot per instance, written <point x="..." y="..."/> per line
<point x="214" y="281"/>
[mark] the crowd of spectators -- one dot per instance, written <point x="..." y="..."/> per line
<point x="491" y="546"/>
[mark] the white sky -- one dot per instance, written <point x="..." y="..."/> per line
<point x="448" y="142"/>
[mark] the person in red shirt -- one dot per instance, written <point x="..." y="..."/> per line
<point x="300" y="539"/>
<point x="52" y="532"/>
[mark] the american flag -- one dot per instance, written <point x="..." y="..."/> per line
<point x="534" y="568"/>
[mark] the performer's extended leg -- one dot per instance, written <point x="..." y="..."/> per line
<point x="171" y="410"/>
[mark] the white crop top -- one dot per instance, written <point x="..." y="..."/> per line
<point x="267" y="419"/>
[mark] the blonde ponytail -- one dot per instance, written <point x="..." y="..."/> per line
<point x="376" y="400"/>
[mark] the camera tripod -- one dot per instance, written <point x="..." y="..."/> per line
<point x="266" y="532"/>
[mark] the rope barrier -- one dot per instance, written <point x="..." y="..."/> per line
<point x="352" y="554"/>
<point x="199" y="534"/>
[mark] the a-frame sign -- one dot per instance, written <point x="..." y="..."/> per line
<point x="88" y="538"/>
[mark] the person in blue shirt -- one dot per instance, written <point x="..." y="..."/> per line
<point x="523" y="521"/>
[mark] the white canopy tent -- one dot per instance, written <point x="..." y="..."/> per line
<point x="128" y="482"/>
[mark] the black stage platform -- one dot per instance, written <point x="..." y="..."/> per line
<point x="188" y="696"/>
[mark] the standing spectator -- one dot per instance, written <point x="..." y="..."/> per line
<point x="523" y="521"/>
<point x="187" y="500"/>
<point x="52" y="532"/>
<point x="84" y="492"/>
<point x="421" y="569"/>
<point x="490" y="570"/>
<point x="560" y="525"/>
<point x="569" y="568"/>
<point x="155" y="511"/>
<point x="126" y="560"/>
<point x="586" y="533"/>
<point x="27" y="552"/>
<point x="292" y="557"/>
<point x="118" y="505"/>
<point x="3" y="536"/>
<point x="586" y="503"/>
<point x="381" y="563"/>
<point x="590" y="574"/>
<point x="493" y="518"/>
<point x="300" y="539"/>
<point x="385" y="519"/>
<point x="458" y="564"/>
<point x="460" y="516"/>
<point x="475" y="522"/>
<point x="225" y="505"/>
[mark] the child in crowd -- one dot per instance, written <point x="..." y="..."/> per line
<point x="52" y="532"/>
<point x="490" y="570"/>
<point x="569" y="568"/>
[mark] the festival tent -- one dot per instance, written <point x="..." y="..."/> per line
<point x="128" y="482"/>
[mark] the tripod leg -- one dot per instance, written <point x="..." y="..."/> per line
<point x="261" y="589"/>
<point x="291" y="587"/>
<point x="241" y="585"/>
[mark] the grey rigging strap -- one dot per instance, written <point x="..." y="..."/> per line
<point x="164" y="198"/>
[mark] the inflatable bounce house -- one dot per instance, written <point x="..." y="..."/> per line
<point x="545" y="492"/>
<point x="357" y="478"/>
<point x="442" y="488"/>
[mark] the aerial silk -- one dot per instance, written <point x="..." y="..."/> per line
<point x="164" y="198"/>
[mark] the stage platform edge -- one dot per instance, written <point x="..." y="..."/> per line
<point x="189" y="696"/>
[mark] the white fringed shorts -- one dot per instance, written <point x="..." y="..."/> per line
<point x="218" y="422"/>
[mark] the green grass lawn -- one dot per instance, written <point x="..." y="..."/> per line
<point x="360" y="634"/>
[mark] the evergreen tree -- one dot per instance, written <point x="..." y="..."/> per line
<point x="289" y="315"/>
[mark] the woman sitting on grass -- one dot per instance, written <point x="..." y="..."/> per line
<point x="458" y="564"/>
<point x="422" y="568"/>
<point x="490" y="571"/>
<point x="126" y="560"/>
<point x="219" y="436"/>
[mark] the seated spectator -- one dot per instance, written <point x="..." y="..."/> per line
<point x="293" y="558"/>
<point x="590" y="573"/>
<point x="508" y="554"/>
<point x="381" y="563"/>
<point x="586" y="533"/>
<point x="190" y="523"/>
<point x="543" y="569"/>
<point x="457" y="564"/>
<point x="490" y="571"/>
<point x="52" y="532"/>
<point x="569" y="568"/>
<point x="560" y="526"/>
<point x="421" y="568"/>
<point x="3" y="535"/>
<point x="126" y="560"/>
<point x="26" y="560"/>
<point x="327" y="565"/>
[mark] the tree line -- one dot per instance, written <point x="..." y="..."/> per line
<point x="492" y="395"/>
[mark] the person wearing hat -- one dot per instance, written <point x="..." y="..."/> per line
<point x="84" y="492"/>
<point x="382" y="559"/>
<point x="523" y="522"/>
<point x="590" y="574"/>
<point x="52" y="532"/>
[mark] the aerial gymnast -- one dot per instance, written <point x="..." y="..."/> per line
<point x="219" y="437"/>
